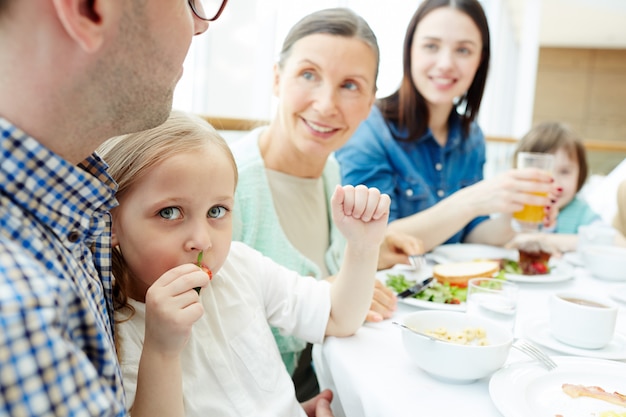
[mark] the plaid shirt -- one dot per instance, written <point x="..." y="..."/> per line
<point x="57" y="356"/>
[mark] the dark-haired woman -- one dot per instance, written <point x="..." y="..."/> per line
<point x="422" y="145"/>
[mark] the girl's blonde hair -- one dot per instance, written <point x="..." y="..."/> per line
<point x="131" y="157"/>
<point x="548" y="137"/>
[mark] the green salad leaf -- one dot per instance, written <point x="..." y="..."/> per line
<point x="510" y="266"/>
<point x="436" y="293"/>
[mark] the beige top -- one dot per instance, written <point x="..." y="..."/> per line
<point x="303" y="214"/>
<point x="619" y="222"/>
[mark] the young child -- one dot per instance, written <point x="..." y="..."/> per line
<point x="570" y="171"/>
<point x="570" y="174"/>
<point x="212" y="352"/>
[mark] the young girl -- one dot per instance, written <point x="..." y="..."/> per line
<point x="570" y="174"/>
<point x="422" y="146"/>
<point x="570" y="171"/>
<point x="213" y="353"/>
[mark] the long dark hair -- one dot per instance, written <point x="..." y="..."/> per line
<point x="407" y="107"/>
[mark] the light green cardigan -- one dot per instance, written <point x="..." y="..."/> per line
<point x="256" y="223"/>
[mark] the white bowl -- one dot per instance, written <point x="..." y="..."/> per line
<point x="453" y="362"/>
<point x="605" y="262"/>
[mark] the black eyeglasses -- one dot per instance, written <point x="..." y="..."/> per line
<point x="208" y="10"/>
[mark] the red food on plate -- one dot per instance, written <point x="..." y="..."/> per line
<point x="534" y="262"/>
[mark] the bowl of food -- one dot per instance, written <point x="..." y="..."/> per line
<point x="605" y="261"/>
<point x="454" y="346"/>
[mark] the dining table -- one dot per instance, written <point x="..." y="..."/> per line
<point x="372" y="375"/>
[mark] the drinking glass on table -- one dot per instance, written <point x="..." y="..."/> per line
<point x="493" y="299"/>
<point x="530" y="218"/>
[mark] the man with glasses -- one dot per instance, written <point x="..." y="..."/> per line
<point x="72" y="74"/>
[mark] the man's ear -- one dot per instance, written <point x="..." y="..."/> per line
<point x="82" y="20"/>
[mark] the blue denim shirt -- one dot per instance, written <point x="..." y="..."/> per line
<point x="416" y="175"/>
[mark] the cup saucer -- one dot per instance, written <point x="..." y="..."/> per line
<point x="538" y="331"/>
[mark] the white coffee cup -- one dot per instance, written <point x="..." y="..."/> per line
<point x="582" y="320"/>
<point x="595" y="234"/>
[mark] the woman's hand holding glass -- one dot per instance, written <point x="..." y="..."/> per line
<point x="532" y="216"/>
<point x="510" y="191"/>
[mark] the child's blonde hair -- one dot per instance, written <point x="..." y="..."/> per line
<point x="131" y="157"/>
<point x="548" y="137"/>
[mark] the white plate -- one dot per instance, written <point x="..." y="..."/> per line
<point x="619" y="293"/>
<point x="525" y="389"/>
<point x="560" y="271"/>
<point x="413" y="276"/>
<point x="432" y="305"/>
<point x="465" y="252"/>
<point x="538" y="331"/>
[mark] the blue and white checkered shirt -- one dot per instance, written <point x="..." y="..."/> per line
<point x="57" y="356"/>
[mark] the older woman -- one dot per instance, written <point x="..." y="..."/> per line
<point x="325" y="81"/>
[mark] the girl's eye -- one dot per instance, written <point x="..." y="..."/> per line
<point x="217" y="212"/>
<point x="308" y="75"/>
<point x="170" y="213"/>
<point x="464" y="51"/>
<point x="430" y="46"/>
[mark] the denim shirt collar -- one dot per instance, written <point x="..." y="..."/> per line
<point x="455" y="135"/>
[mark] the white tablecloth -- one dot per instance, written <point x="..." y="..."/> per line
<point x="372" y="375"/>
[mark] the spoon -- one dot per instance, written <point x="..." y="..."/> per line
<point x="417" y="332"/>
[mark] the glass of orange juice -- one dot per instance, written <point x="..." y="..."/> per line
<point x="530" y="218"/>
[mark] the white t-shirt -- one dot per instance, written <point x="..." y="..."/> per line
<point x="231" y="365"/>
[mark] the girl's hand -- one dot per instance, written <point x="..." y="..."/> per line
<point x="361" y="213"/>
<point x="172" y="307"/>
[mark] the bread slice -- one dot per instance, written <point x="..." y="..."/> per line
<point x="458" y="273"/>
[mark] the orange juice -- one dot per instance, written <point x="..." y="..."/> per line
<point x="531" y="214"/>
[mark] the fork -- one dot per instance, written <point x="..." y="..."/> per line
<point x="534" y="352"/>
<point x="417" y="261"/>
